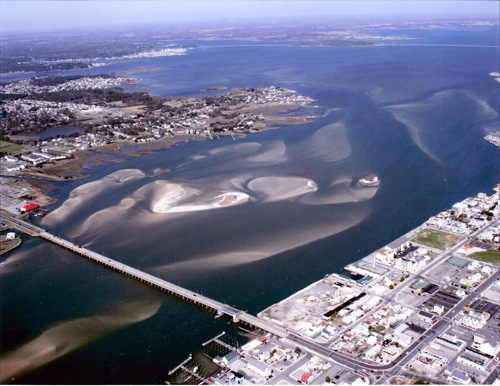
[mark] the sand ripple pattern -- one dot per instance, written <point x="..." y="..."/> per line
<point x="68" y="336"/>
<point x="243" y="202"/>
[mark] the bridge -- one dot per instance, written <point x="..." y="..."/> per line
<point x="242" y="316"/>
<point x="173" y="289"/>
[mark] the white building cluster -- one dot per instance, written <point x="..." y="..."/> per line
<point x="28" y="85"/>
<point x="493" y="137"/>
<point x="468" y="215"/>
<point x="402" y="255"/>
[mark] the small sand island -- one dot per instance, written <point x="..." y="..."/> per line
<point x="370" y="180"/>
<point x="9" y="242"/>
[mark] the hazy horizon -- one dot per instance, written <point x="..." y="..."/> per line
<point x="28" y="16"/>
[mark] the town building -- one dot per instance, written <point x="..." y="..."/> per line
<point x="487" y="341"/>
<point x="259" y="368"/>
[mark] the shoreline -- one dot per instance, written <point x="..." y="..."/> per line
<point x="8" y="245"/>
<point x="273" y="114"/>
<point x="325" y="304"/>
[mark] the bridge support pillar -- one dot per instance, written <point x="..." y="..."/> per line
<point x="235" y="319"/>
<point x="220" y="313"/>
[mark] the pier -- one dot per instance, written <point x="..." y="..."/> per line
<point x="172" y="289"/>
<point x="220" y="342"/>
<point x="182" y="367"/>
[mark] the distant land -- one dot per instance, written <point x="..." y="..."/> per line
<point x="72" y="50"/>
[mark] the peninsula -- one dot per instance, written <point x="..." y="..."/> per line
<point x="93" y="112"/>
<point x="9" y="242"/>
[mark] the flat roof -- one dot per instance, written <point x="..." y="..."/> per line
<point x="396" y="243"/>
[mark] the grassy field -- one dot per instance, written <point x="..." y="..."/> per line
<point x="492" y="257"/>
<point x="10" y="148"/>
<point x="436" y="239"/>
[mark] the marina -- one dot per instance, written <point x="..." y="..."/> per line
<point x="275" y="244"/>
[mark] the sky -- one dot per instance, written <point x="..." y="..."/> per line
<point x="19" y="15"/>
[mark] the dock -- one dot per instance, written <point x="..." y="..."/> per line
<point x="220" y="342"/>
<point x="182" y="367"/>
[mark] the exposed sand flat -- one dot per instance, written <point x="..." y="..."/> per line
<point x="171" y="195"/>
<point x="219" y="261"/>
<point x="274" y="152"/>
<point x="415" y="134"/>
<point x="68" y="336"/>
<point x="340" y="191"/>
<point x="220" y="201"/>
<point x="82" y="194"/>
<point x="107" y="217"/>
<point x="240" y="150"/>
<point x="262" y="248"/>
<point x="281" y="188"/>
<point x="13" y="262"/>
<point x="184" y="198"/>
<point x="330" y="143"/>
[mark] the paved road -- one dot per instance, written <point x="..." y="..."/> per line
<point x="147" y="278"/>
<point x="318" y="349"/>
<point x="22" y="226"/>
<point x="495" y="374"/>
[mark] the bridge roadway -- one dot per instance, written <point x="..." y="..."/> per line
<point x="171" y="288"/>
<point x="144" y="277"/>
<point x="242" y="316"/>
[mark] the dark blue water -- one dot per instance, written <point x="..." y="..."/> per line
<point x="54" y="132"/>
<point x="414" y="115"/>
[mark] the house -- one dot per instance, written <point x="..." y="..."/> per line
<point x="35" y="160"/>
<point x="385" y="256"/>
<point x="10" y="158"/>
<point x="426" y="317"/>
<point x="292" y="355"/>
<point x="477" y="222"/>
<point x="487" y="341"/>
<point x="399" y="244"/>
<point x="371" y="340"/>
<point x="262" y="339"/>
<point x="475" y="360"/>
<point x="473" y="319"/>
<point x="403" y="339"/>
<point x="29" y="207"/>
<point x="373" y="351"/>
<point x="306" y="378"/>
<point x="400" y="329"/>
<point x="439" y="309"/>
<point x="458" y="376"/>
<point x="459" y="208"/>
<point x="259" y="368"/>
<point x="232" y="357"/>
<point x="279" y="354"/>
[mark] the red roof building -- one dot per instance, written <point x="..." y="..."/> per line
<point x="29" y="207"/>
<point x="305" y="377"/>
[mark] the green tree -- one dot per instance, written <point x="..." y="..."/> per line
<point x="327" y="379"/>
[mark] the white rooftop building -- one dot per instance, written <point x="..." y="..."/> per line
<point x="487" y="341"/>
